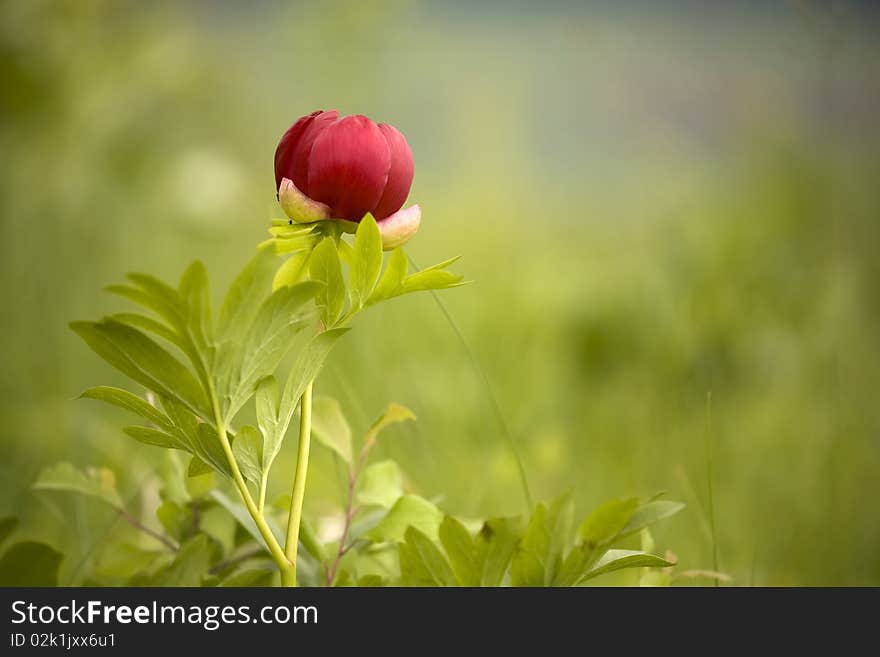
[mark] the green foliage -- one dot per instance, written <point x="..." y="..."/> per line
<point x="391" y="534"/>
<point x="30" y="563"/>
<point x="330" y="427"/>
<point x="97" y="483"/>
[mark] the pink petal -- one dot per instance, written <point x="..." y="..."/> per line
<point x="286" y="147"/>
<point x="348" y="167"/>
<point x="303" y="148"/>
<point x="400" y="176"/>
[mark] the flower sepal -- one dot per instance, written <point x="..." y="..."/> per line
<point x="299" y="207"/>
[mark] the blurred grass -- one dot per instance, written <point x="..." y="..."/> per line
<point x="655" y="203"/>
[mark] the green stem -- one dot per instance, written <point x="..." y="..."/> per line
<point x="265" y="531"/>
<point x="288" y="577"/>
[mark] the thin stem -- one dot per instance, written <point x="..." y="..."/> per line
<point x="350" y="509"/>
<point x="257" y="514"/>
<point x="261" y="503"/>
<point x="343" y="540"/>
<point x="137" y="524"/>
<point x="288" y="577"/>
<point x="262" y="525"/>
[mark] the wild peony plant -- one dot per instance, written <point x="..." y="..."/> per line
<point x="342" y="183"/>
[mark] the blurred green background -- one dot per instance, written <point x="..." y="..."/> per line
<point x="657" y="203"/>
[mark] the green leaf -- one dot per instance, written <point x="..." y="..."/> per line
<point x="392" y="414"/>
<point x="432" y="278"/>
<point x="366" y="262"/>
<point x="155" y="437"/>
<point x="604" y="524"/>
<point x="7" y="526"/>
<point x="620" y="559"/>
<point x="128" y="401"/>
<point x="153" y="326"/>
<point x="495" y="546"/>
<point x="409" y="510"/>
<point x="543" y="547"/>
<point x="249" y="577"/>
<point x="462" y="553"/>
<point x="325" y="268"/>
<point x="306" y="367"/>
<point x="198" y="467"/>
<point x="196" y="297"/>
<point x="281" y="317"/>
<point x="190" y="563"/>
<point x="648" y="514"/>
<point x="380" y="484"/>
<point x="244" y="297"/>
<point x="240" y="513"/>
<point x="293" y="270"/>
<point x="268" y="421"/>
<point x="422" y="563"/>
<point x="208" y="448"/>
<point x="391" y="283"/>
<point x="248" y="451"/>
<point x="99" y="483"/>
<point x="142" y="359"/>
<point x="330" y="428"/>
<point x="30" y="564"/>
<point x="153" y="295"/>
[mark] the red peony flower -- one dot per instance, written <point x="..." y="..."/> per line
<point x="328" y="167"/>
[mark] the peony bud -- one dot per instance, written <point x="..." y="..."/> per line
<point x="328" y="167"/>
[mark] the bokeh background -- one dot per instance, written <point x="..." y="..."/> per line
<point x="670" y="212"/>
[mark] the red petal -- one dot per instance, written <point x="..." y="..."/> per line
<point x="303" y="148"/>
<point x="348" y="167"/>
<point x="284" y="152"/>
<point x="400" y="175"/>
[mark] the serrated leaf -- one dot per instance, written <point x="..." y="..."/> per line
<point x="248" y="451"/>
<point x="30" y="563"/>
<point x="380" y="484"/>
<point x="128" y="401"/>
<point x="325" y="268"/>
<point x="366" y="261"/>
<point x="143" y="360"/>
<point x="392" y="414"/>
<point x="422" y="563"/>
<point x="409" y="510"/>
<point x="391" y="283"/>
<point x="604" y="524"/>
<point x="98" y="483"/>
<point x="620" y="559"/>
<point x="330" y="428"/>
<point x="155" y="437"/>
